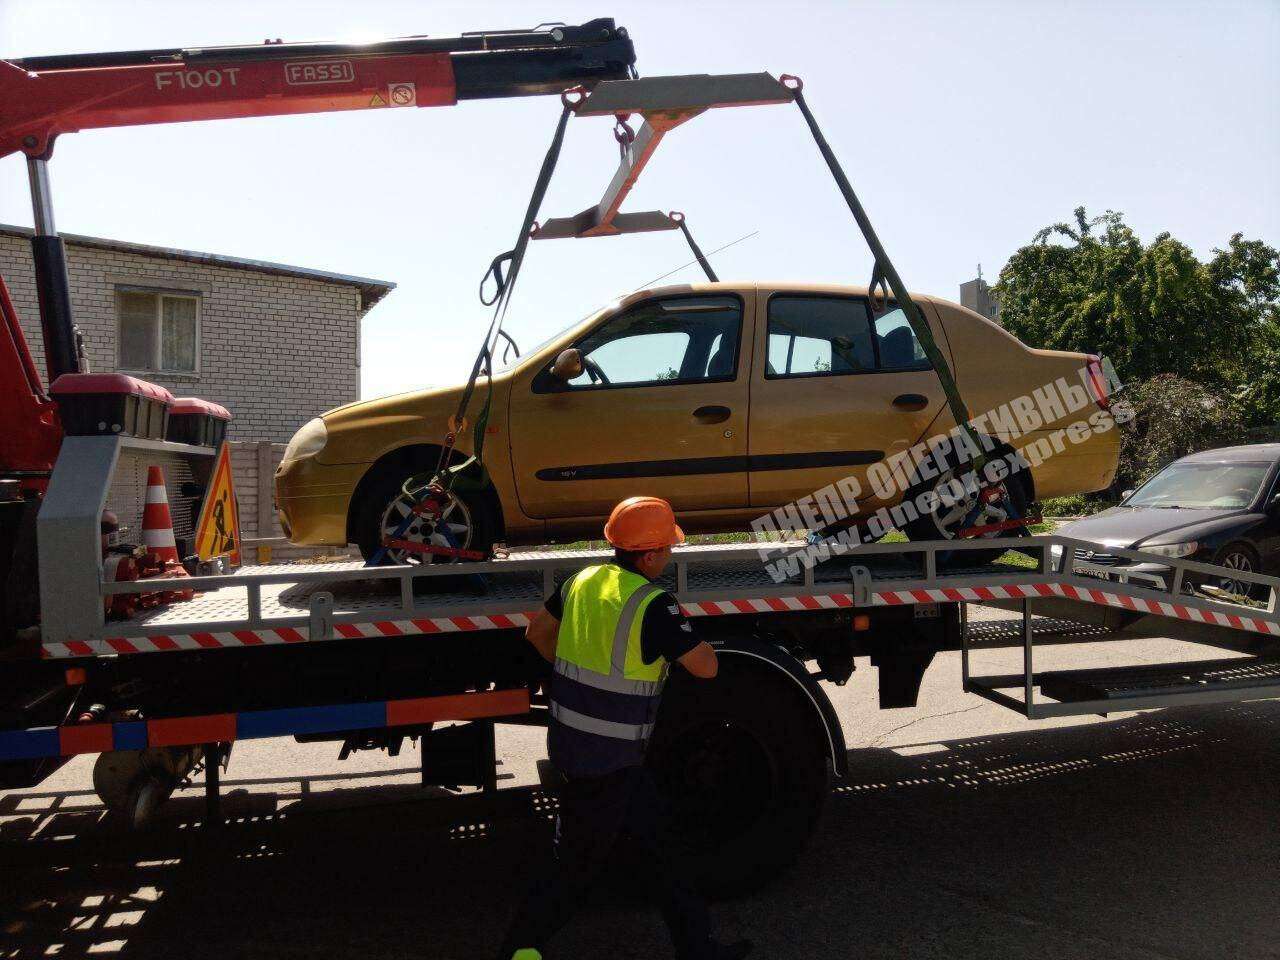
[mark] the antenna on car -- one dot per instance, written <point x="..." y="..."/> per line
<point x="650" y="283"/>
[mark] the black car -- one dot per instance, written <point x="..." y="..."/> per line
<point x="1218" y="506"/>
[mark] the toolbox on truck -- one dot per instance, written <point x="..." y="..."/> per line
<point x="200" y="423"/>
<point x="106" y="404"/>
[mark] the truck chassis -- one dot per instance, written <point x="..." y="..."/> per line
<point x="372" y="657"/>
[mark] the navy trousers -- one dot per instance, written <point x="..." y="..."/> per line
<point x="595" y="813"/>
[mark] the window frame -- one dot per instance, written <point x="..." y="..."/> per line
<point x="544" y="382"/>
<point x="160" y="293"/>
<point x="871" y="330"/>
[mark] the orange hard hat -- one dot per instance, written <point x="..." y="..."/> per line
<point x="643" y="523"/>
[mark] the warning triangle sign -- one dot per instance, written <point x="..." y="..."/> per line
<point x="377" y="101"/>
<point x="218" y="532"/>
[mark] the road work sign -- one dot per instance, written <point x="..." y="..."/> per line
<point x="218" y="532"/>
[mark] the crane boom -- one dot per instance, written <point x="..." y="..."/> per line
<point x="43" y="97"/>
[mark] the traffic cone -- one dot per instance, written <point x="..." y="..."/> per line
<point x="157" y="531"/>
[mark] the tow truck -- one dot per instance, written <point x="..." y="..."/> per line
<point x="433" y="654"/>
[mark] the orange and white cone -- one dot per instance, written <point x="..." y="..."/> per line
<point x="157" y="529"/>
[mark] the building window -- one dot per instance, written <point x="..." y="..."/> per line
<point x="158" y="331"/>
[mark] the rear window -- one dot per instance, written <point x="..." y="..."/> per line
<point x="818" y="336"/>
<point x="827" y="336"/>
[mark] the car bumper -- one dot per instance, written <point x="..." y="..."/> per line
<point x="313" y="500"/>
<point x="1140" y="574"/>
<point x="1081" y="468"/>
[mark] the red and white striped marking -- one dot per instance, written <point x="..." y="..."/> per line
<point x="157" y="525"/>
<point x="699" y="608"/>
<point x="263" y="636"/>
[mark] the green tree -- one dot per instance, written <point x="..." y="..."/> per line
<point x="1173" y="417"/>
<point x="1093" y="286"/>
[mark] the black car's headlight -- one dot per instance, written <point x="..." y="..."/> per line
<point x="1171" y="549"/>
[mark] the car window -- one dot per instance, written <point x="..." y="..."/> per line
<point x="818" y="336"/>
<point x="1202" y="486"/>
<point x="896" y="343"/>
<point x="680" y="340"/>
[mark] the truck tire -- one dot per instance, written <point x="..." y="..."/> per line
<point x="743" y="763"/>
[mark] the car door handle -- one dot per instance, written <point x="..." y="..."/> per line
<point x="910" y="401"/>
<point x="712" y="414"/>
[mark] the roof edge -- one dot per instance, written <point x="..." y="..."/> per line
<point x="371" y="291"/>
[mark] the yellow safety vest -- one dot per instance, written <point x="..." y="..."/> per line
<point x="604" y="697"/>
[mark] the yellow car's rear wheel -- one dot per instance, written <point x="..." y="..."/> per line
<point x="957" y="506"/>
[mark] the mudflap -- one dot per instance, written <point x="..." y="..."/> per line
<point x="903" y="654"/>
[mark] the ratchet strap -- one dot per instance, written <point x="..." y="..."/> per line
<point x="504" y="284"/>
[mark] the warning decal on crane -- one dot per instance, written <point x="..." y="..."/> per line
<point x="218" y="532"/>
<point x="377" y="101"/>
<point x="403" y="94"/>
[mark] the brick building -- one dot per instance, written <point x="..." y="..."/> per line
<point x="274" y="344"/>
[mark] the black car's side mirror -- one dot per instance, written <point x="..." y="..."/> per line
<point x="1273" y="505"/>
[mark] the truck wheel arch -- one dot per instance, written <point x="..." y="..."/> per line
<point x="776" y="659"/>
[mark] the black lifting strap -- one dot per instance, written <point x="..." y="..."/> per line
<point x="703" y="262"/>
<point x="504" y="285"/>
<point x="884" y="271"/>
<point x="422" y="488"/>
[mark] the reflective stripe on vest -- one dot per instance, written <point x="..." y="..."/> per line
<point x="601" y="728"/>
<point x="602" y="685"/>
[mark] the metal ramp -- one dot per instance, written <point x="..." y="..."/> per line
<point x="1100" y="691"/>
<point x="1129" y="688"/>
<point x="1078" y="693"/>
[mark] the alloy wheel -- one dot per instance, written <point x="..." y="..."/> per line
<point x="950" y="512"/>
<point x="454" y="528"/>
<point x="1241" y="561"/>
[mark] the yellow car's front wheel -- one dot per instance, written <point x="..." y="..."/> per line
<point x="464" y="523"/>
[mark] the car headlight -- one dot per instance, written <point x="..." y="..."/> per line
<point x="1171" y="549"/>
<point x="308" y="441"/>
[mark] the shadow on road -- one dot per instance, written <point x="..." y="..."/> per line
<point x="1153" y="836"/>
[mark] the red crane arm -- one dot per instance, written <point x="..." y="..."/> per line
<point x="39" y="106"/>
<point x="43" y="97"/>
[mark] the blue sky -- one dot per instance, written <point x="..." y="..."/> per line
<point x="965" y="127"/>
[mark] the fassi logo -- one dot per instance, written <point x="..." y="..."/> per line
<point x="319" y="71"/>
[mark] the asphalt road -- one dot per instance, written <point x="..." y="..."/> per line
<point x="962" y="830"/>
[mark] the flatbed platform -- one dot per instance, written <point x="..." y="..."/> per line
<point x="293" y="603"/>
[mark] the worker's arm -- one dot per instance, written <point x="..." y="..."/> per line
<point x="701" y="661"/>
<point x="667" y="633"/>
<point x="542" y="632"/>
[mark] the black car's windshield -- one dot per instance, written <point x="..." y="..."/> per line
<point x="1202" y="486"/>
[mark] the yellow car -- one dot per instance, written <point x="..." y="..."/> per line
<point x="726" y="399"/>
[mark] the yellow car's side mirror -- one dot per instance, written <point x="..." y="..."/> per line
<point x="568" y="365"/>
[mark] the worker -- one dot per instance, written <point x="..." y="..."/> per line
<point x="611" y="634"/>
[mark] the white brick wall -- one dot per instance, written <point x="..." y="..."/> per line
<point x="274" y="350"/>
